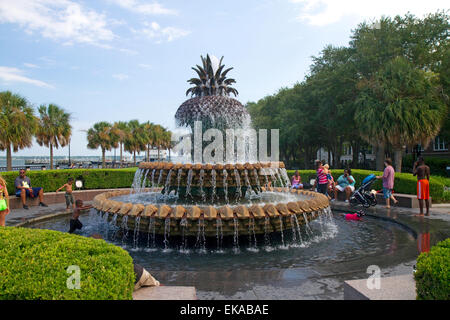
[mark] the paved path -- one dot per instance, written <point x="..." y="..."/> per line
<point x="21" y="215"/>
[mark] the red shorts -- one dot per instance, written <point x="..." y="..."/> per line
<point x="423" y="189"/>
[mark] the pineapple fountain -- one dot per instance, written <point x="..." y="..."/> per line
<point x="217" y="199"/>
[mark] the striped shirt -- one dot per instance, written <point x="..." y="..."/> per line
<point x="321" y="176"/>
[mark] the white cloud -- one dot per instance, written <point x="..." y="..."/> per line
<point x="60" y="20"/>
<point x="325" y="12"/>
<point x="145" y="66"/>
<point x="11" y="75"/>
<point x="155" y="31"/>
<point x="144" y="8"/>
<point x="30" y="65"/>
<point x="120" y="76"/>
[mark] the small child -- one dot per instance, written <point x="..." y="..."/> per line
<point x="68" y="195"/>
<point x="354" y="216"/>
<point x="74" y="222"/>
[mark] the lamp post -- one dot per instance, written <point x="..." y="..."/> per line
<point x="70" y="162"/>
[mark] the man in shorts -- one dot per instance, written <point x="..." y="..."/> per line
<point x="24" y="189"/>
<point x="422" y="171"/>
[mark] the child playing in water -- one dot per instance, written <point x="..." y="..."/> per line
<point x="68" y="195"/>
<point x="74" y="222"/>
<point x="354" y="216"/>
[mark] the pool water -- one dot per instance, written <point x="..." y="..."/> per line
<point x="333" y="250"/>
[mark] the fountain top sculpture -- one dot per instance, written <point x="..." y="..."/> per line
<point x="210" y="98"/>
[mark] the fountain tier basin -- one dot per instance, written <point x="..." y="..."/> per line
<point x="302" y="207"/>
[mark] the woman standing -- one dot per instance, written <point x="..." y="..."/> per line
<point x="4" y="202"/>
<point x="322" y="180"/>
<point x="388" y="182"/>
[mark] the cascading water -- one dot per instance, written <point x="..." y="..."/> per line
<point x="238" y="184"/>
<point x="266" y="231"/>
<point x="213" y="185"/>
<point x="166" y="233"/>
<point x="151" y="232"/>
<point x="219" y="234"/>
<point x="137" y="223"/>
<point x="112" y="225"/>
<point x="236" y="235"/>
<point x="282" y="232"/>
<point x="179" y="175"/>
<point x="225" y="184"/>
<point x="201" y="240"/>
<point x="247" y="182"/>
<point x="308" y="228"/>
<point x="167" y="184"/>
<point x="160" y="177"/>
<point x="297" y="226"/>
<point x="189" y="182"/>
<point x="183" y="225"/>
<point x="255" y="175"/>
<point x="124" y="227"/>
<point x="153" y="179"/>
<point x="252" y="234"/>
<point x="286" y="177"/>
<point x="202" y="192"/>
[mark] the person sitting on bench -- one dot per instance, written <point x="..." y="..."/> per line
<point x="24" y="189"/>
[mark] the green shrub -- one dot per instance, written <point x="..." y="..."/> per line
<point x="34" y="262"/>
<point x="403" y="182"/>
<point x="433" y="273"/>
<point x="438" y="166"/>
<point x="51" y="180"/>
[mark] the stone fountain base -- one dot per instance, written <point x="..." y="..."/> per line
<point x="186" y="220"/>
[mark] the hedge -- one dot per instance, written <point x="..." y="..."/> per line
<point x="433" y="273"/>
<point x="403" y="182"/>
<point x="51" y="180"/>
<point x="438" y="166"/>
<point x="34" y="262"/>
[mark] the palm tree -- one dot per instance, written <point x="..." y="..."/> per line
<point x="167" y="140"/>
<point x="150" y="134"/>
<point x="54" y="129"/>
<point x="17" y="124"/>
<point x="137" y="140"/>
<point x="401" y="106"/>
<point x="158" y="137"/>
<point x="100" y="136"/>
<point x="121" y="129"/>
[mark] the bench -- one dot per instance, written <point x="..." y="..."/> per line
<point x="54" y="198"/>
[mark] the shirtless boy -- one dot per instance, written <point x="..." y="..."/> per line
<point x="68" y="195"/>
<point x="74" y="221"/>
<point x="422" y="171"/>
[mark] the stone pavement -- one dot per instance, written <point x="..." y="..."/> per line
<point x="17" y="216"/>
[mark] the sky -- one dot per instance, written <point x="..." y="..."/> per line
<point x="110" y="60"/>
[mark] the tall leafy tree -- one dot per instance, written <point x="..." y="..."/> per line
<point x="401" y="105"/>
<point x="121" y="130"/>
<point x="136" y="142"/>
<point x="99" y="136"/>
<point x="54" y="129"/>
<point x="17" y="124"/>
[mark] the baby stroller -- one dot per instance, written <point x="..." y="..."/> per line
<point x="363" y="195"/>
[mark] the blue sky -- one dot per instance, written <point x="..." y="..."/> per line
<point x="130" y="59"/>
